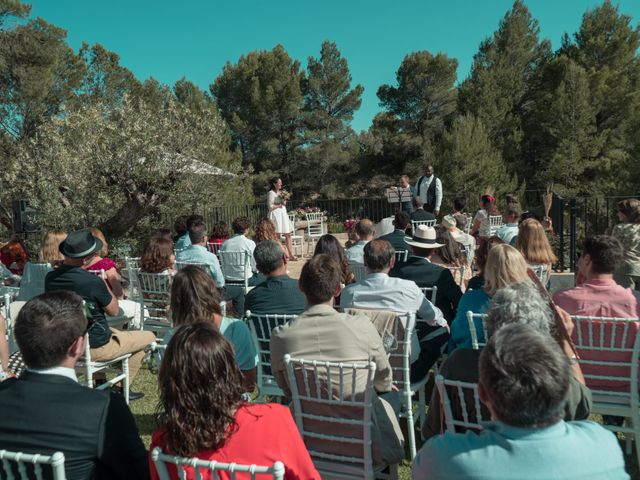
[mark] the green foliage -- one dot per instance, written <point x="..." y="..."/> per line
<point x="417" y="110"/>
<point x="329" y="104"/>
<point x="502" y="82"/>
<point x="260" y="97"/>
<point x="469" y="162"/>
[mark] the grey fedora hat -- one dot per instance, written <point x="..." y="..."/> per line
<point x="80" y="244"/>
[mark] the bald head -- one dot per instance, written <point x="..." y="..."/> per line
<point x="379" y="256"/>
<point x="365" y="229"/>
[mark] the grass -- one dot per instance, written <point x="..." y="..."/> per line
<point x="145" y="408"/>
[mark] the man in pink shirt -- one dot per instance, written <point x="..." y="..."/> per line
<point x="599" y="295"/>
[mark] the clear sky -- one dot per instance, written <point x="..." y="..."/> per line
<point x="169" y="40"/>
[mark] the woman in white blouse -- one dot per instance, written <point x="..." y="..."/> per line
<point x="276" y="206"/>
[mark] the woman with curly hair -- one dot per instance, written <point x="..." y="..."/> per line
<point x="195" y="299"/>
<point x="158" y="257"/>
<point x="202" y="412"/>
<point x="534" y="245"/>
<point x="331" y="246"/>
<point x="628" y="232"/>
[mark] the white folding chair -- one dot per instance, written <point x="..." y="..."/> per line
<point x="236" y="268"/>
<point x="463" y="394"/>
<point x="212" y="467"/>
<point x="541" y="272"/>
<point x="132" y="264"/>
<point x="332" y="407"/>
<point x="214" y="247"/>
<point x="261" y="327"/>
<point x="467" y="226"/>
<point x="430" y="292"/>
<point x="315" y="229"/>
<point x="474" y="321"/>
<point x="297" y="241"/>
<point x="155" y="297"/>
<point x="26" y="466"/>
<point x="359" y="270"/>
<point x="609" y="351"/>
<point x="87" y="367"/>
<point x="415" y="223"/>
<point x="401" y="255"/>
<point x="495" y="222"/>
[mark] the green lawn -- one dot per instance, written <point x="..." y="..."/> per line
<point x="144" y="413"/>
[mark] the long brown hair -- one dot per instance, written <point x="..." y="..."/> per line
<point x="533" y="243"/>
<point x="482" y="252"/>
<point x="450" y="253"/>
<point x="156" y="256"/>
<point x="50" y="252"/>
<point x="265" y="230"/>
<point x="194" y="297"/>
<point x="331" y="246"/>
<point x="104" y="251"/>
<point x="200" y="390"/>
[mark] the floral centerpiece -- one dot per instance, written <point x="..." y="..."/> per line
<point x="349" y="223"/>
<point x="301" y="213"/>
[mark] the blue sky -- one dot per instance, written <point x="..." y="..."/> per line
<point x="169" y="40"/>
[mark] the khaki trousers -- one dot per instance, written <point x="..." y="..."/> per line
<point x="121" y="342"/>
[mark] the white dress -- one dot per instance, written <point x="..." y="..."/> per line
<point x="278" y="215"/>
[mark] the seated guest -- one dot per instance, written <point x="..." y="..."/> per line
<point x="419" y="213"/>
<point x="534" y="245"/>
<point x="237" y="273"/>
<point x="51" y="411"/>
<point x="157" y="256"/>
<point x="181" y="239"/>
<point x="331" y="246"/>
<point x="628" y="232"/>
<point x="32" y="282"/>
<point x="526" y="390"/>
<point x="401" y="222"/>
<point x="321" y="333"/>
<point x="219" y="233"/>
<point x="197" y="253"/>
<point x="599" y="295"/>
<point x="458" y="213"/>
<point x="13" y="256"/>
<point x="456" y="228"/>
<point x="505" y="265"/>
<point x="452" y="257"/>
<point x="265" y="229"/>
<point x="481" y="226"/>
<point x="508" y="231"/>
<point x="519" y="303"/>
<point x="365" y="231"/>
<point x="106" y="343"/>
<point x="482" y="252"/>
<point x="204" y="414"/>
<point x="100" y="261"/>
<point x="278" y="293"/>
<point x="424" y="273"/>
<point x="195" y="299"/>
<point x="379" y="291"/>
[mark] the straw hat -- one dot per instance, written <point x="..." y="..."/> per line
<point x="423" y="237"/>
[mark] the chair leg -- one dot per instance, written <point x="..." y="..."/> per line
<point x="125" y="382"/>
<point x="635" y="424"/>
<point x="411" y="432"/>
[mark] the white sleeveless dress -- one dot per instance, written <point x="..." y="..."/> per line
<point x="278" y="215"/>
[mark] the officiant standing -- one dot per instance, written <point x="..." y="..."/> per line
<point x="429" y="191"/>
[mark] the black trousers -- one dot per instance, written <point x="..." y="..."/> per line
<point x="433" y="342"/>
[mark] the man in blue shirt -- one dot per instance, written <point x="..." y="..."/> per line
<point x="365" y="231"/>
<point x="197" y="253"/>
<point x="508" y="231"/>
<point x="525" y="390"/>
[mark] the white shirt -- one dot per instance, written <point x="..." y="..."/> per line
<point x="381" y="292"/>
<point x="239" y="243"/>
<point x="426" y="183"/>
<point x="70" y="373"/>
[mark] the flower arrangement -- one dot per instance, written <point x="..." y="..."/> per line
<point x="301" y="212"/>
<point x="349" y="223"/>
<point x="284" y="194"/>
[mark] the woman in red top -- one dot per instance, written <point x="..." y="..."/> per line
<point x="206" y="417"/>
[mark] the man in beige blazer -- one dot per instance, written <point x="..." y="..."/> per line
<point x="321" y="333"/>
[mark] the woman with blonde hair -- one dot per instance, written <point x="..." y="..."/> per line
<point x="49" y="256"/>
<point x="534" y="245"/>
<point x="505" y="266"/>
<point x="628" y="232"/>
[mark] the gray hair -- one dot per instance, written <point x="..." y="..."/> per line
<point x="268" y="255"/>
<point x="525" y="376"/>
<point x="520" y="303"/>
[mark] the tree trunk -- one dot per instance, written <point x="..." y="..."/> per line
<point x="138" y="206"/>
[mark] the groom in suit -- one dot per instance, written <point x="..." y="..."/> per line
<point x="47" y="410"/>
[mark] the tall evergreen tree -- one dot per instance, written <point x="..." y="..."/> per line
<point x="418" y="109"/>
<point x="503" y="79"/>
<point x="472" y="163"/>
<point x="260" y="97"/>
<point x="606" y="47"/>
<point x="329" y="105"/>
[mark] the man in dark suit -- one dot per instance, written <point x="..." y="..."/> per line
<point x="426" y="274"/>
<point x="396" y="238"/>
<point x="420" y="213"/>
<point x="47" y="410"/>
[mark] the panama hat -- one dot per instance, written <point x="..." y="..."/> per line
<point x="80" y="244"/>
<point x="423" y="237"/>
<point x="448" y="221"/>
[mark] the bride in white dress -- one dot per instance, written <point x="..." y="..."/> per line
<point x="278" y="214"/>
